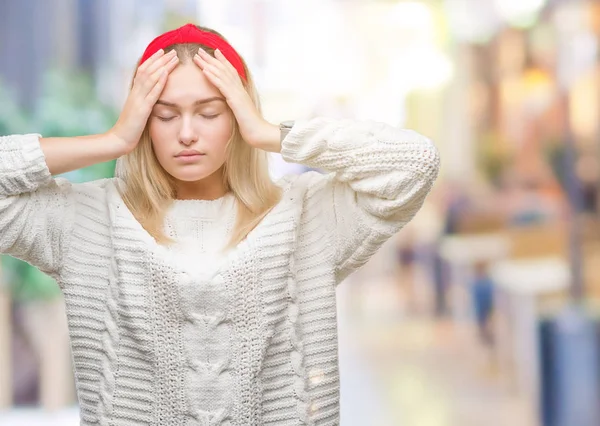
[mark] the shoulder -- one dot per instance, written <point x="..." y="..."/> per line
<point x="94" y="188"/>
<point x="91" y="197"/>
<point x="60" y="188"/>
<point x="304" y="184"/>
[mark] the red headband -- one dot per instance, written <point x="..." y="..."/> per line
<point x="189" y="33"/>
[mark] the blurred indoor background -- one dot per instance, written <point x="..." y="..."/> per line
<point x="482" y="311"/>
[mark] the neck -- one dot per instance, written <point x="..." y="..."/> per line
<point x="209" y="188"/>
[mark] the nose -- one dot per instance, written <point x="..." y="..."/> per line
<point x="187" y="133"/>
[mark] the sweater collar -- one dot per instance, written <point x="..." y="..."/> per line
<point x="219" y="208"/>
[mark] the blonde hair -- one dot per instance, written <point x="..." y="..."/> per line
<point x="149" y="190"/>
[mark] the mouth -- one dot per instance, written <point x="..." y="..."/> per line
<point x="189" y="157"/>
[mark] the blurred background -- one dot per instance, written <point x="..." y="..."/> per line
<point x="483" y="310"/>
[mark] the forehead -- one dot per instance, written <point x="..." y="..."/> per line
<point x="186" y="84"/>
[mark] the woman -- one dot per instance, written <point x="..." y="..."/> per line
<point x="197" y="290"/>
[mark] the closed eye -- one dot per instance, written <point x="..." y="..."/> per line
<point x="208" y="117"/>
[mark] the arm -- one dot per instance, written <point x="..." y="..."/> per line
<point x="66" y="154"/>
<point x="379" y="175"/>
<point x="378" y="178"/>
<point x="37" y="211"/>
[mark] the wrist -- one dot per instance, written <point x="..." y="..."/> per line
<point x="284" y="128"/>
<point x="118" y="146"/>
<point x="268" y="138"/>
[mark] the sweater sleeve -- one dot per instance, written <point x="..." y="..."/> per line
<point x="36" y="210"/>
<point x="377" y="179"/>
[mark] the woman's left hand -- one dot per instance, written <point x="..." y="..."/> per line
<point x="255" y="130"/>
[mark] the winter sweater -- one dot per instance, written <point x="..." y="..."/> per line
<point x="202" y="229"/>
<point x="253" y="341"/>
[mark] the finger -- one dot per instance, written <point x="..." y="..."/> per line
<point x="167" y="58"/>
<point x="209" y="59"/>
<point x="150" y="82"/>
<point x="214" y="68"/>
<point x="227" y="69"/>
<point x="151" y="59"/>
<point x="158" y="87"/>
<point x="214" y="71"/>
<point x="219" y="55"/>
<point x="163" y="75"/>
<point x="198" y="61"/>
<point x="229" y="78"/>
<point x="214" y="79"/>
<point x="143" y="74"/>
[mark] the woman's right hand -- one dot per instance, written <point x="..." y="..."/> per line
<point x="148" y="84"/>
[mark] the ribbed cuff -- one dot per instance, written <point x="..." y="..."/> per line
<point x="301" y="144"/>
<point x="22" y="163"/>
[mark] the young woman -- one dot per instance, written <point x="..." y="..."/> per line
<point x="198" y="291"/>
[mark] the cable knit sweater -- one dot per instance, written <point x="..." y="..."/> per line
<point x="201" y="229"/>
<point x="253" y="339"/>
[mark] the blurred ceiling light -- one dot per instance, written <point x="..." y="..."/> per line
<point x="416" y="62"/>
<point x="520" y="13"/>
<point x="411" y="14"/>
<point x="473" y="21"/>
<point x="421" y="67"/>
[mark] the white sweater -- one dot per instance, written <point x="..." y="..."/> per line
<point x="201" y="229"/>
<point x="253" y="342"/>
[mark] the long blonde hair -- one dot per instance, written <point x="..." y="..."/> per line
<point x="149" y="190"/>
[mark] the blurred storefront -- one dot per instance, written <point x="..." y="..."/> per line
<point x="503" y="87"/>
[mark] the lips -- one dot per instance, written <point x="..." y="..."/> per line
<point x="189" y="156"/>
<point x="189" y="153"/>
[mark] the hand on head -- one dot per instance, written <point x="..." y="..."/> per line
<point x="148" y="84"/>
<point x="223" y="75"/>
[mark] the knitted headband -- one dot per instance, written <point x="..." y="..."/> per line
<point x="189" y="33"/>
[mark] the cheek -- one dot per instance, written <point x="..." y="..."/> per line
<point x="155" y="131"/>
<point x="219" y="133"/>
<point x="164" y="142"/>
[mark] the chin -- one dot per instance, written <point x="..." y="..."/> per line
<point x="190" y="177"/>
<point x="191" y="174"/>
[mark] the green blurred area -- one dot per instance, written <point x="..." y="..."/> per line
<point x="68" y="107"/>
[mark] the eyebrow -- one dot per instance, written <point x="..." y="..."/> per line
<point x="198" y="102"/>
